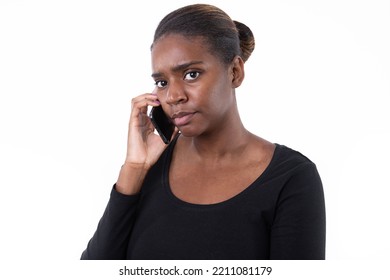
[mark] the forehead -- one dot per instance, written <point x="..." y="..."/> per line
<point x="174" y="49"/>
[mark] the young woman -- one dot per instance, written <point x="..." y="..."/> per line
<point x="216" y="191"/>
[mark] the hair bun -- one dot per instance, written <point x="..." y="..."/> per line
<point x="247" y="40"/>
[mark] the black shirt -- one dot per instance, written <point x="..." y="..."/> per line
<point x="281" y="215"/>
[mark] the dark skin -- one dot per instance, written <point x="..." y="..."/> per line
<point x="224" y="157"/>
<point x="215" y="157"/>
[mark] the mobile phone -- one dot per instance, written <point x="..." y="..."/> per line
<point x="162" y="123"/>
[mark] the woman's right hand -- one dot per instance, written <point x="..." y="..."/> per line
<point x="144" y="147"/>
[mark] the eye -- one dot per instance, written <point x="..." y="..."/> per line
<point x="191" y="75"/>
<point x="161" y="84"/>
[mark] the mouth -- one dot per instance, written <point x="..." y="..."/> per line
<point x="182" y="118"/>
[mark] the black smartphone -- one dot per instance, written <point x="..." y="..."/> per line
<point x="162" y="123"/>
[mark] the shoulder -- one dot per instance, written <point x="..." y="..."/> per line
<point x="281" y="160"/>
<point x="299" y="172"/>
<point x="290" y="168"/>
<point x="287" y="159"/>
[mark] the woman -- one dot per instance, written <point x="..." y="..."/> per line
<point x="216" y="191"/>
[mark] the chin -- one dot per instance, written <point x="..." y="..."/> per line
<point x="190" y="131"/>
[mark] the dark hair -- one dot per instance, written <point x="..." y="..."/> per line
<point x="225" y="37"/>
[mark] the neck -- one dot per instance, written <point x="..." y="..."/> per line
<point x="223" y="143"/>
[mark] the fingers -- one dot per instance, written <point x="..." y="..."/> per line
<point x="139" y="104"/>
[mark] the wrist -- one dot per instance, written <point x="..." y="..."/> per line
<point x="138" y="167"/>
<point x="131" y="177"/>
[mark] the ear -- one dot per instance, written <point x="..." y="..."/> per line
<point x="237" y="71"/>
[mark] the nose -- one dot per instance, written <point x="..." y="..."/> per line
<point x="175" y="94"/>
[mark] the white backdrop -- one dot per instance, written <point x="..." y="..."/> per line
<point x="318" y="81"/>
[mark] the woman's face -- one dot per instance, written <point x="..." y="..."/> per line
<point x="194" y="87"/>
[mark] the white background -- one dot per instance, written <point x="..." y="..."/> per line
<point x="318" y="81"/>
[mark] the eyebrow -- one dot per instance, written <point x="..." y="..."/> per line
<point x="178" y="68"/>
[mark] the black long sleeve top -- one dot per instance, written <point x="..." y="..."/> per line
<point x="281" y="215"/>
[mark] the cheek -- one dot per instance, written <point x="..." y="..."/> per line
<point x="161" y="96"/>
<point x="219" y="97"/>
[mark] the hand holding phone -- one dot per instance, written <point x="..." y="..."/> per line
<point x="162" y="123"/>
<point x="144" y="147"/>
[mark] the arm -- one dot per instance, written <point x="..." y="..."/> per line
<point x="111" y="237"/>
<point x="143" y="150"/>
<point x="112" y="234"/>
<point x="298" y="231"/>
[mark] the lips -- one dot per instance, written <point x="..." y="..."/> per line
<point x="182" y="118"/>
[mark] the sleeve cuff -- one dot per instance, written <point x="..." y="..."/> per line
<point x="115" y="195"/>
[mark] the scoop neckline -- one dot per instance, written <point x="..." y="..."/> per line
<point x="172" y="197"/>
